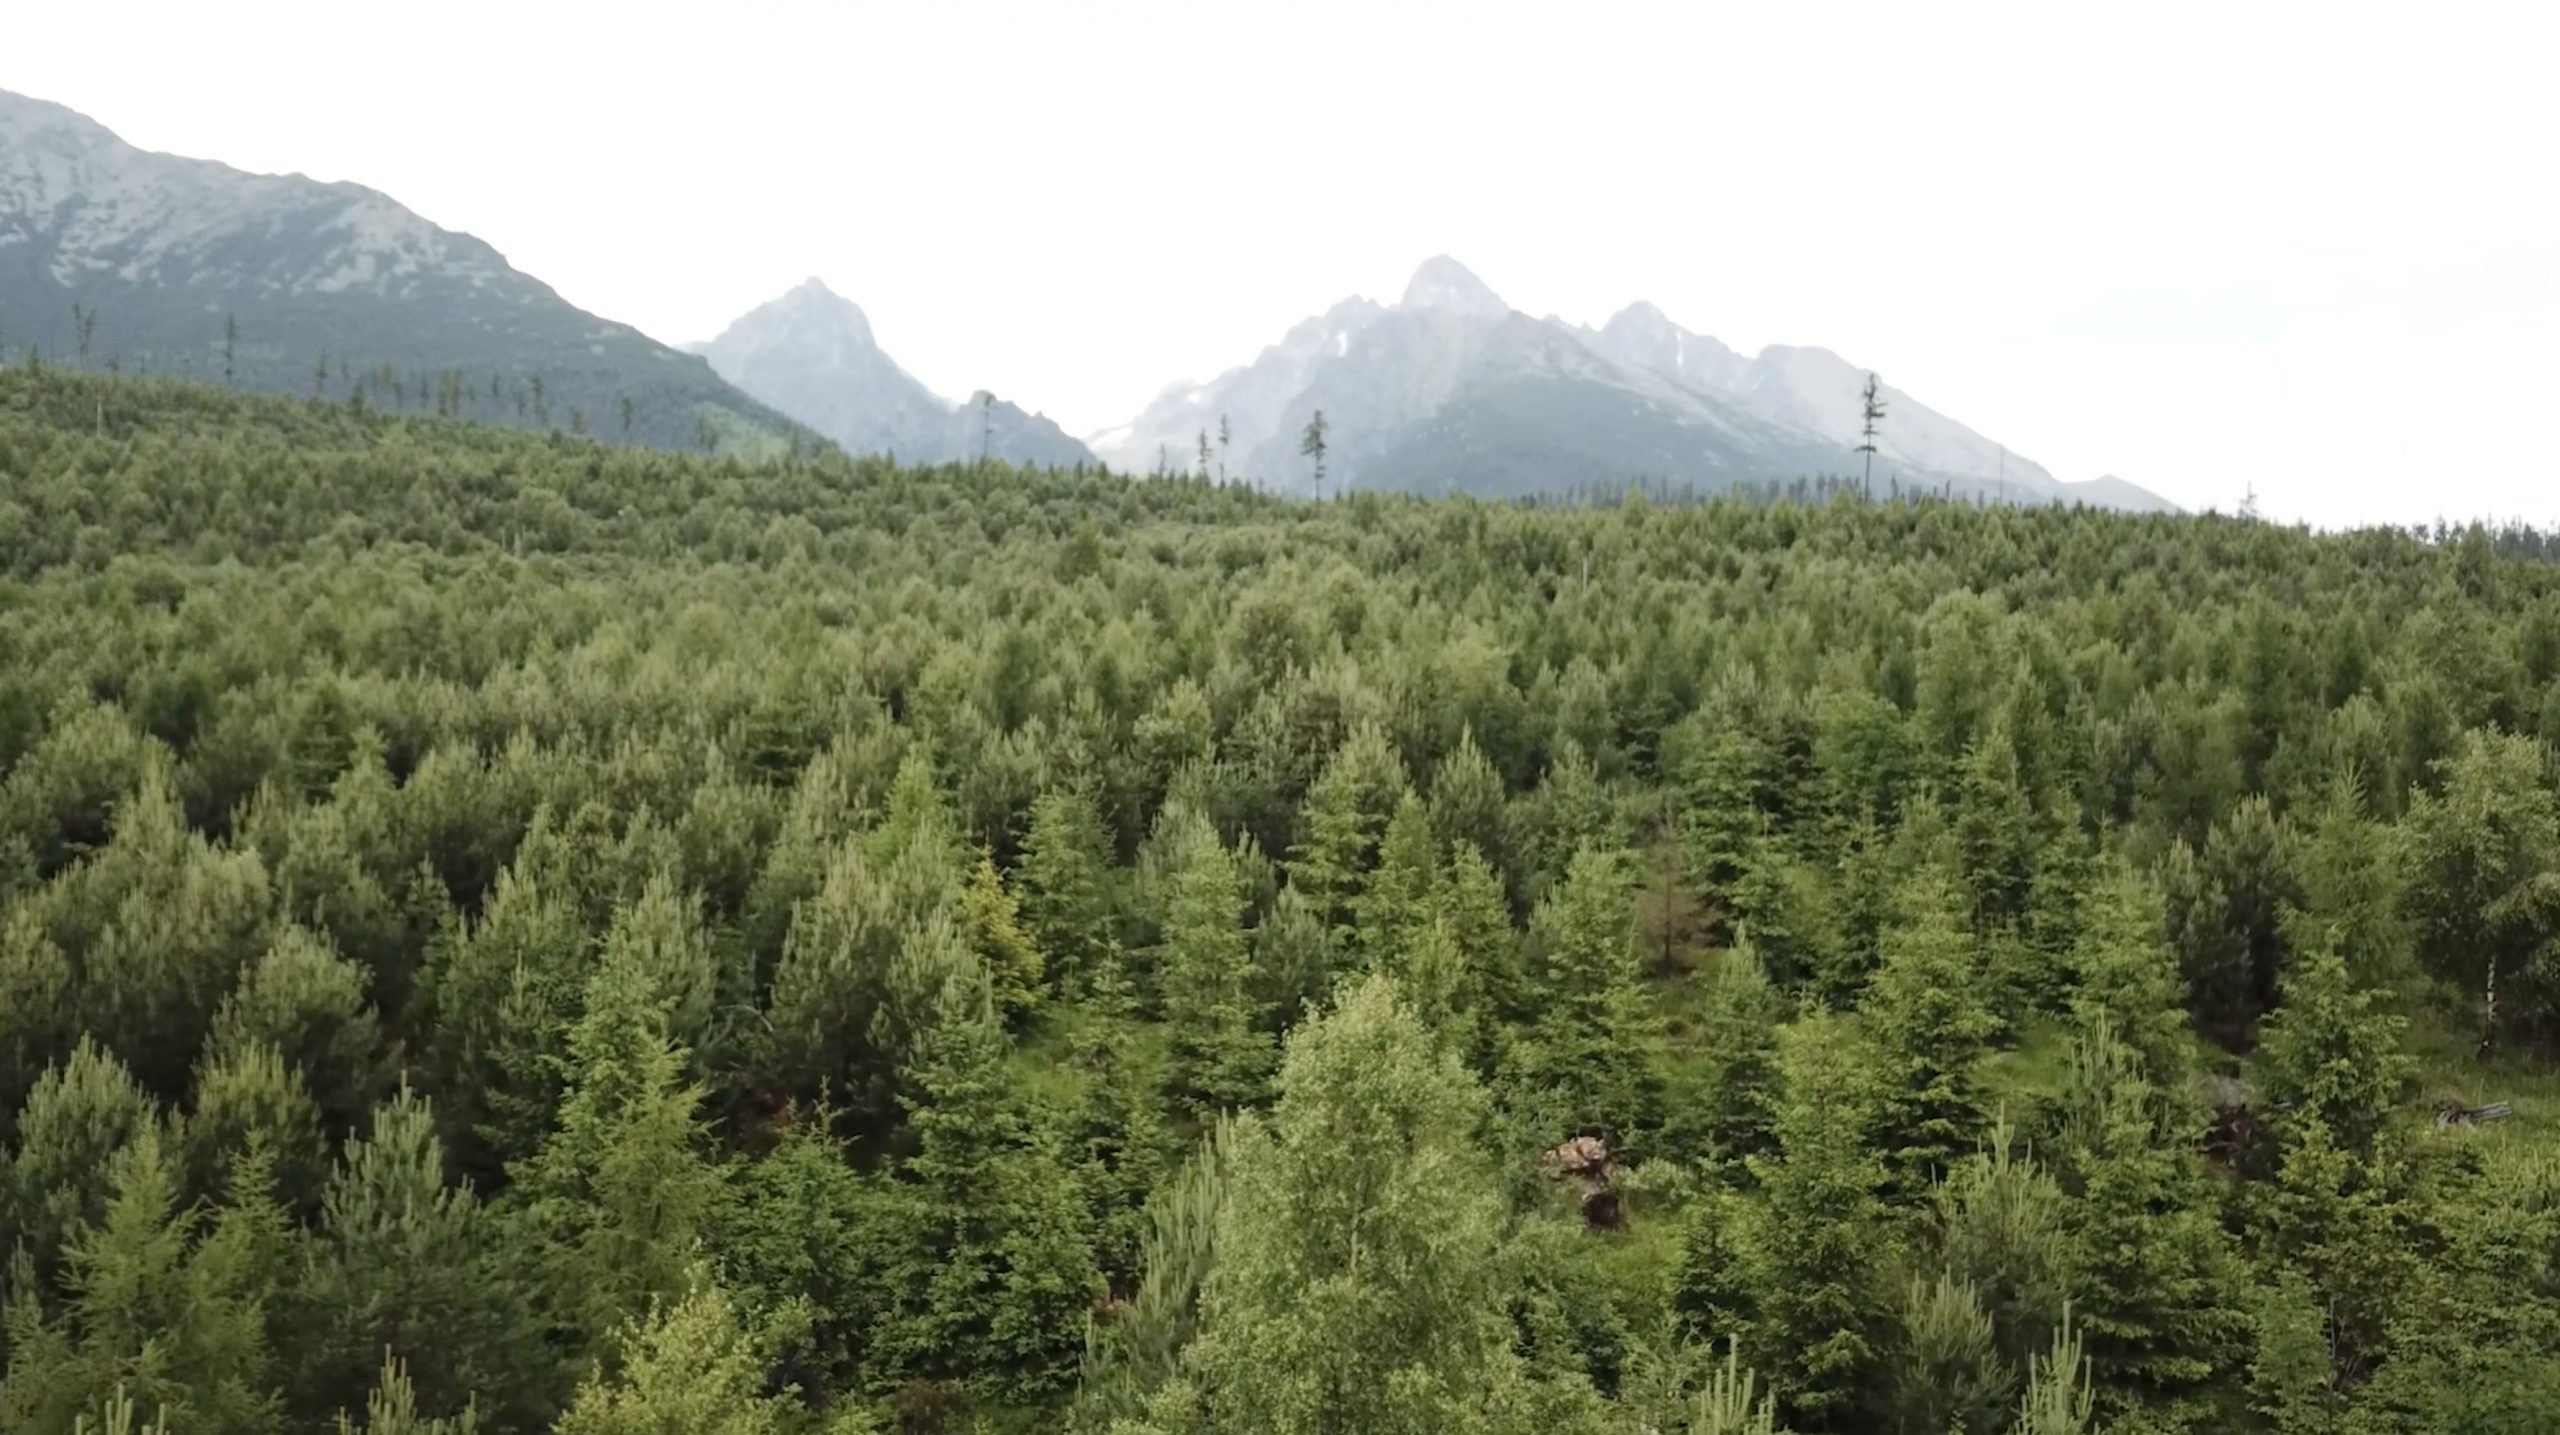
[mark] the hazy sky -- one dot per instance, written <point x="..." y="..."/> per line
<point x="2310" y="248"/>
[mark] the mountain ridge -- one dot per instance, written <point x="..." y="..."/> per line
<point x="133" y="259"/>
<point x="1408" y="389"/>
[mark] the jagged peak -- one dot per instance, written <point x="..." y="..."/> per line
<point x="1444" y="283"/>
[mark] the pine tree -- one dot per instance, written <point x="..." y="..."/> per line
<point x="1346" y="815"/>
<point x="1393" y="910"/>
<point x="249" y="1103"/>
<point x="1468" y="803"/>
<point x="154" y="1305"/>
<point x="80" y="1114"/>
<point x="1311" y="446"/>
<point x="2150" y="1267"/>
<point x="406" y="1268"/>
<point x="308" y="1003"/>
<point x="34" y="1001"/>
<point x="2126" y="978"/>
<point x="1730" y="1110"/>
<point x="2329" y="1053"/>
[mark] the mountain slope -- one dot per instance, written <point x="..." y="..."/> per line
<point x="811" y="355"/>
<point x="1451" y="389"/>
<point x="113" y="256"/>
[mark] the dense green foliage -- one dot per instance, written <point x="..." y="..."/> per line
<point x="508" y="933"/>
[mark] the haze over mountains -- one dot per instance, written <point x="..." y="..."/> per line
<point x="811" y="355"/>
<point x="1450" y="388"/>
<point x="112" y="256"/>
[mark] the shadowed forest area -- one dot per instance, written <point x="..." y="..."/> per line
<point x="503" y="933"/>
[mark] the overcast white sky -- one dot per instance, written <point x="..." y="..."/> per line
<point x="2313" y="248"/>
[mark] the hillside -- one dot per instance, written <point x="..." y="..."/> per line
<point x="518" y="933"/>
<point x="112" y="257"/>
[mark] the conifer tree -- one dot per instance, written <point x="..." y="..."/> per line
<point x="1478" y="918"/>
<point x="154" y="1306"/>
<point x="1221" y="1060"/>
<point x="1346" y="816"/>
<point x="308" y="1003"/>
<point x="249" y="1103"/>
<point x="1821" y="1245"/>
<point x="2151" y="1269"/>
<point x="80" y="1114"/>
<point x="1730" y="1110"/>
<point x="406" y="1268"/>
<point x="998" y="1263"/>
<point x="1468" y="803"/>
<point x="1926" y="1032"/>
<point x="620" y="1190"/>
<point x="2126" y="978"/>
<point x="1066" y="886"/>
<point x="34" y="982"/>
<point x="2329" y="1053"/>
<point x="995" y="932"/>
<point x="1596" y="1057"/>
<point x="1392" y="912"/>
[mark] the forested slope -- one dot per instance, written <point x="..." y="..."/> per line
<point x="509" y="933"/>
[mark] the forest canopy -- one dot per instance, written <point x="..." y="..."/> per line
<point x="500" y="932"/>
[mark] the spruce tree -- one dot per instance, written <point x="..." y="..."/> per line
<point x="1221" y="1060"/>
<point x="620" y="1191"/>
<point x="1926" y="1031"/>
<point x="1822" y="1244"/>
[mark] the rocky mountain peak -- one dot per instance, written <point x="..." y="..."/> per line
<point x="1444" y="284"/>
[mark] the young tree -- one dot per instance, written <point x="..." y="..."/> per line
<point x="308" y="1003"/>
<point x="1596" y="1059"/>
<point x="689" y="1364"/>
<point x="154" y="1304"/>
<point x="1822" y="1243"/>
<point x="996" y="1267"/>
<point x="995" y="933"/>
<point x="1355" y="1280"/>
<point x="406" y="1268"/>
<point x="1926" y="1031"/>
<point x="1221" y="1060"/>
<point x="620" y="1191"/>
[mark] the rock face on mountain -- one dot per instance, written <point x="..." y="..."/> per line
<point x="811" y="354"/>
<point x="1451" y="389"/>
<point x="117" y="256"/>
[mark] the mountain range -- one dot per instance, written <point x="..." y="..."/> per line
<point x="112" y="256"/>
<point x="1452" y="389"/>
